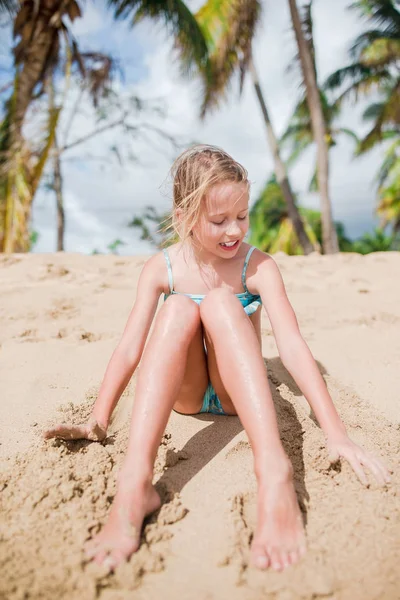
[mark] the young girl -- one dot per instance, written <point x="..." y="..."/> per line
<point x="204" y="355"/>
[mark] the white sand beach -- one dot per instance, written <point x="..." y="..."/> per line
<point x="62" y="315"/>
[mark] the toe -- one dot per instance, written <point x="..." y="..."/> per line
<point x="275" y="559"/>
<point x="100" y="556"/>
<point x="90" y="549"/>
<point x="109" y="563"/>
<point x="259" y="556"/>
<point x="116" y="558"/>
<point x="285" y="559"/>
<point x="293" y="557"/>
<point x="261" y="561"/>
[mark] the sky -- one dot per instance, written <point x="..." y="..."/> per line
<point x="102" y="197"/>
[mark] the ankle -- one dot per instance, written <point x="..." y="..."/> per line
<point x="132" y="477"/>
<point x="272" y="472"/>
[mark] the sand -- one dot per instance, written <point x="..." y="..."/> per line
<point x="61" y="317"/>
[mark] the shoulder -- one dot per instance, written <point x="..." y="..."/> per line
<point x="262" y="270"/>
<point x="155" y="272"/>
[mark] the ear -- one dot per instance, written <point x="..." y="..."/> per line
<point x="178" y="214"/>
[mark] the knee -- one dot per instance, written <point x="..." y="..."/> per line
<point x="218" y="305"/>
<point x="179" y="313"/>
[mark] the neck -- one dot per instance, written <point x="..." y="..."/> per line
<point x="201" y="256"/>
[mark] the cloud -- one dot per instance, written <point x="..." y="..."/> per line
<point x="108" y="199"/>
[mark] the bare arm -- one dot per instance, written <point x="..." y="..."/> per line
<point x="125" y="357"/>
<point x="298" y="360"/>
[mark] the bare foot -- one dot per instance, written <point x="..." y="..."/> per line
<point x="120" y="537"/>
<point x="279" y="539"/>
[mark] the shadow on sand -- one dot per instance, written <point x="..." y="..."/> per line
<point x="207" y="443"/>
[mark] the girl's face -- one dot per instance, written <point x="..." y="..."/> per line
<point x="224" y="219"/>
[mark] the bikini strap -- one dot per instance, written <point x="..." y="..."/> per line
<point x="170" y="278"/>
<point x="246" y="262"/>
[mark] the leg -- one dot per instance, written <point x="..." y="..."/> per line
<point x="176" y="327"/>
<point x="279" y="538"/>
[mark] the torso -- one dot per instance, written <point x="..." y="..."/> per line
<point x="191" y="278"/>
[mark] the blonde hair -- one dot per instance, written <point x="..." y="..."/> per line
<point x="194" y="173"/>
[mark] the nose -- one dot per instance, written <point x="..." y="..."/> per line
<point x="233" y="229"/>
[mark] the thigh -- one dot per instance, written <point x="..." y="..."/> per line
<point x="196" y="378"/>
<point x="213" y="371"/>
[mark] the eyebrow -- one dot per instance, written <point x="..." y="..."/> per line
<point x="223" y="214"/>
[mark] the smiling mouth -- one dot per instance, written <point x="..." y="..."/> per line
<point x="230" y="245"/>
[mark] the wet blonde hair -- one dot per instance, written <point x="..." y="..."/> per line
<point x="194" y="173"/>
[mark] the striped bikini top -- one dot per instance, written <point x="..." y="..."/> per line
<point x="249" y="301"/>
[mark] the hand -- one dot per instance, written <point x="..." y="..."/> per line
<point x="358" y="458"/>
<point x="91" y="430"/>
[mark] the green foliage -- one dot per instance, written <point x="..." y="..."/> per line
<point x="228" y="26"/>
<point x="176" y="16"/>
<point x="33" y="238"/>
<point x="376" y="242"/>
<point x="389" y="187"/>
<point x="298" y="136"/>
<point x="375" y="63"/>
<point x="155" y="227"/>
<point x="112" y="247"/>
<point x="272" y="230"/>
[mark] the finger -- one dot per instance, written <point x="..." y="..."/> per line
<point x="378" y="469"/>
<point x="66" y="432"/>
<point x="357" y="468"/>
<point x="384" y="470"/>
<point x="370" y="464"/>
<point x="333" y="455"/>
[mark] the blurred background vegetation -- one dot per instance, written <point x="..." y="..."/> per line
<point x="214" y="46"/>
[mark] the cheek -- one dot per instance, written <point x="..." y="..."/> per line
<point x="205" y="230"/>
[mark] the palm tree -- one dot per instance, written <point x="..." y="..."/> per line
<point x="330" y="242"/>
<point x="272" y="230"/>
<point x="299" y="133"/>
<point x="299" y="136"/>
<point x="229" y="27"/>
<point x="40" y="26"/>
<point x="39" y="29"/>
<point x="375" y="68"/>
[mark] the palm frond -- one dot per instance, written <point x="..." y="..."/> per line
<point x="373" y="111"/>
<point x="298" y="148"/>
<point x="364" y="41"/>
<point x="392" y="156"/>
<point x="351" y="134"/>
<point x="229" y="28"/>
<point x="354" y="72"/>
<point x="313" y="183"/>
<point x="176" y="16"/>
<point x="8" y="6"/>
<point x="380" y="12"/>
<point x="373" y="137"/>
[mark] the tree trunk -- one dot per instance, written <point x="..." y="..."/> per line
<point x="58" y="188"/>
<point x="329" y="237"/>
<point x="34" y="55"/>
<point x="280" y="169"/>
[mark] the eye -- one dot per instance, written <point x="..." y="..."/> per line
<point x="242" y="218"/>
<point x="219" y="223"/>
